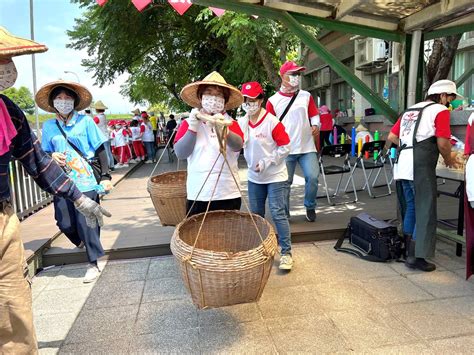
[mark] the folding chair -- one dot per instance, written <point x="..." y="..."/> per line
<point x="342" y="151"/>
<point x="372" y="164"/>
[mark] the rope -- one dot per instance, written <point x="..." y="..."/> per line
<point x="161" y="156"/>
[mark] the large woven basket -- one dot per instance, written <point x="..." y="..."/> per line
<point x="230" y="264"/>
<point x="168" y="193"/>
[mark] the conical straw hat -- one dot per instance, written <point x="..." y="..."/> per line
<point x="99" y="105"/>
<point x="11" y="46"/>
<point x="136" y="111"/>
<point x="42" y="96"/>
<point x="189" y="92"/>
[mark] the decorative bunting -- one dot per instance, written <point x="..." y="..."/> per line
<point x="101" y="2"/>
<point x="181" y="6"/>
<point x="141" y="4"/>
<point x="218" y="12"/>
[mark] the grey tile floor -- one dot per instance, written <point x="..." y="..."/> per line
<point x="329" y="303"/>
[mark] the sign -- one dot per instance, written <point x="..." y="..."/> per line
<point x="141" y="4"/>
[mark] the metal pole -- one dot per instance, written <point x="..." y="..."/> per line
<point x="33" y="65"/>
<point x="413" y="68"/>
<point x="71" y="72"/>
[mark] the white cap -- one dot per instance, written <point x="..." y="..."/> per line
<point x="444" y="87"/>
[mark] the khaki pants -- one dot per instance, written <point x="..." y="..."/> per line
<point x="17" y="333"/>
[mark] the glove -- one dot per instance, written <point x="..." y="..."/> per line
<point x="193" y="121"/>
<point x="92" y="211"/>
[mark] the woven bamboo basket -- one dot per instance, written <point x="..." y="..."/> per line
<point x="168" y="193"/>
<point x="229" y="264"/>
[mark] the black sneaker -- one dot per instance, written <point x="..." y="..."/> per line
<point x="311" y="215"/>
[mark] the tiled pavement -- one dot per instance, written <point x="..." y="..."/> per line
<point x="329" y="303"/>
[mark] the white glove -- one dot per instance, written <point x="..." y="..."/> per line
<point x="92" y="211"/>
<point x="193" y="121"/>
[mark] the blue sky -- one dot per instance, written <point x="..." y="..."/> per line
<point x="52" y="19"/>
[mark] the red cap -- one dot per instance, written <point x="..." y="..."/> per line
<point x="251" y="89"/>
<point x="291" y="67"/>
<point x="144" y="114"/>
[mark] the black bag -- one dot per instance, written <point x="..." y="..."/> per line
<point x="376" y="240"/>
<point x="287" y="108"/>
<point x="93" y="162"/>
<point x="369" y="111"/>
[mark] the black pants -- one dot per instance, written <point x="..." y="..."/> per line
<point x="73" y="224"/>
<point x="324" y="138"/>
<point x="201" y="206"/>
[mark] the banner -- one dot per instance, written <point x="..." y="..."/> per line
<point x="181" y="6"/>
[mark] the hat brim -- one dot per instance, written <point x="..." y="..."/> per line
<point x="42" y="96"/>
<point x="13" y="46"/>
<point x="189" y="94"/>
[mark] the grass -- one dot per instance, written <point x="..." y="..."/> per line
<point x="47" y="116"/>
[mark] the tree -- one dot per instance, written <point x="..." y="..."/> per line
<point x="22" y="97"/>
<point x="163" y="51"/>
<point x="441" y="58"/>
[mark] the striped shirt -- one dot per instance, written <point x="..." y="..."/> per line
<point x="27" y="149"/>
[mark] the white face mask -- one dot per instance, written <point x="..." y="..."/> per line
<point x="251" y="107"/>
<point x="64" y="107"/>
<point x="213" y="104"/>
<point x="8" y="75"/>
<point x="294" y="80"/>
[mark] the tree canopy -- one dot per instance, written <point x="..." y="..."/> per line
<point x="163" y="51"/>
<point x="22" y="97"/>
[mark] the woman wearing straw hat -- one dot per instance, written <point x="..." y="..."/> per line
<point x="101" y="122"/>
<point x="197" y="141"/>
<point x="73" y="140"/>
<point x="17" y="333"/>
<point x="266" y="145"/>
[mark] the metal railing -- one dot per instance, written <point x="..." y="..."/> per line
<point x="27" y="196"/>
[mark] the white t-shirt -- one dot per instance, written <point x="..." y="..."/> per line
<point x="148" y="135"/>
<point x="298" y="121"/>
<point x="101" y="122"/>
<point x="136" y="133"/>
<point x="262" y="142"/>
<point x="201" y="161"/>
<point x="119" y="138"/>
<point x="434" y="123"/>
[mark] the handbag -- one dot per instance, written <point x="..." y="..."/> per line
<point x="93" y="162"/>
<point x="375" y="240"/>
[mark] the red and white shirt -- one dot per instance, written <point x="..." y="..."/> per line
<point x="267" y="145"/>
<point x="201" y="160"/>
<point x="147" y="130"/>
<point x="434" y="123"/>
<point x="119" y="138"/>
<point x="136" y="133"/>
<point x="298" y="121"/>
<point x="469" y="150"/>
<point x="101" y="122"/>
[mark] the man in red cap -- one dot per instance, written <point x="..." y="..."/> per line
<point x="297" y="111"/>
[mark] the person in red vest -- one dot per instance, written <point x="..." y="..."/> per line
<point x="326" y="125"/>
<point x="469" y="197"/>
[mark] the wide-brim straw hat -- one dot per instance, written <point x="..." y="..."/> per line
<point x="136" y="111"/>
<point x="12" y="46"/>
<point x="42" y="96"/>
<point x="99" y="105"/>
<point x="361" y="128"/>
<point x="189" y="92"/>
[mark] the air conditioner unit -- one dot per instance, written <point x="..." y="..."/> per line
<point x="323" y="77"/>
<point x="395" y="57"/>
<point x="370" y="52"/>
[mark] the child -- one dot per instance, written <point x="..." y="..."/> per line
<point x="137" y="141"/>
<point x="120" y="146"/>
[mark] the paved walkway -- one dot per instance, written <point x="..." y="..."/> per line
<point x="329" y="303"/>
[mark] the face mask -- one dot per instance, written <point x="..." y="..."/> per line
<point x="294" y="80"/>
<point x="251" y="107"/>
<point x="213" y="104"/>
<point x="8" y="75"/>
<point x="118" y="127"/>
<point x="64" y="107"/>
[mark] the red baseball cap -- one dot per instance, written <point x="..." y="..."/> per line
<point x="290" y="66"/>
<point x="251" y="89"/>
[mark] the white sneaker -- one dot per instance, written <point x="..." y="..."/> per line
<point x="132" y="161"/>
<point x="118" y="166"/>
<point x="81" y="245"/>
<point x="125" y="165"/>
<point x="286" y="262"/>
<point x="148" y="162"/>
<point x="92" y="274"/>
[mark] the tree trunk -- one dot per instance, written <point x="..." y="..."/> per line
<point x="270" y="69"/>
<point x="441" y="59"/>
